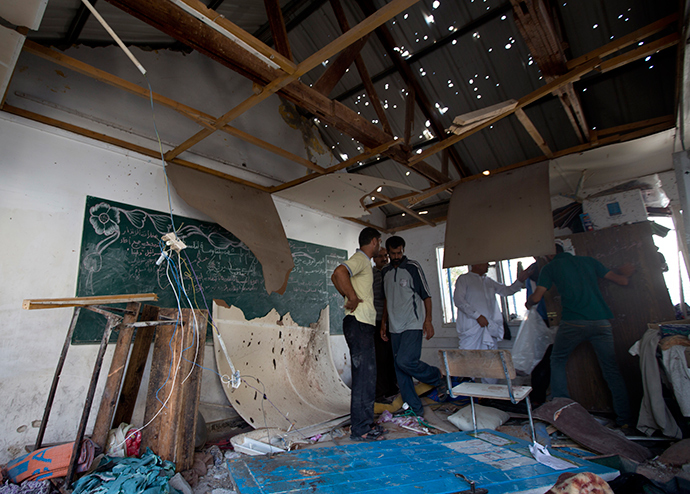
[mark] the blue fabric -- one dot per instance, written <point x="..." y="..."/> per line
<point x="360" y="340"/>
<point x="570" y="334"/>
<point x="407" y="350"/>
<point x="146" y="475"/>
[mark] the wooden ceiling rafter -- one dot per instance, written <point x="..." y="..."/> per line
<point x="616" y="134"/>
<point x="405" y="71"/>
<point x="174" y="22"/>
<point x="337" y="68"/>
<point x="402" y="207"/>
<point x="75" y="129"/>
<point x="362" y="69"/>
<point x="538" y="29"/>
<point x="278" y="29"/>
<point x="197" y="116"/>
<point x="369" y="24"/>
<point x="340" y="166"/>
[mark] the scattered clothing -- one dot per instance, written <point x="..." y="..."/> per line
<point x="580" y="483"/>
<point x="148" y="474"/>
<point x="48" y="463"/>
<point x="654" y="414"/>
<point x="29" y="487"/>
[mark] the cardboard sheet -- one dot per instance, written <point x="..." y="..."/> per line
<point x="338" y="194"/>
<point x="291" y="365"/>
<point x="500" y="217"/>
<point x="247" y="213"/>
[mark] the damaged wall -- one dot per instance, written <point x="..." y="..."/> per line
<point x="46" y="175"/>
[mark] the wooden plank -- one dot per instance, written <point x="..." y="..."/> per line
<point x="124" y="144"/>
<point x="624" y="41"/>
<point x="404" y="208"/>
<point x="535" y="95"/>
<point x="362" y="69"/>
<point x="477" y="363"/>
<point x="485" y="113"/>
<point x="533" y="132"/>
<point x="161" y="400"/>
<point x="409" y="115"/>
<point x="135" y="367"/>
<point x="277" y="25"/>
<point x="111" y="391"/>
<point x="201" y="118"/>
<point x="636" y="125"/>
<point x="191" y="372"/>
<point x="336" y="69"/>
<point x="52" y="303"/>
<point x="344" y="164"/>
<point x="285" y="63"/>
<point x="641" y="52"/>
<point x="366" y="26"/>
<point x="491" y="391"/>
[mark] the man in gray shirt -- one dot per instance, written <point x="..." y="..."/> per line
<point x="408" y="313"/>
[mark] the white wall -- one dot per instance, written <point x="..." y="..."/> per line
<point x="45" y="175"/>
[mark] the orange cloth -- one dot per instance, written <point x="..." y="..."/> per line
<point x="50" y="462"/>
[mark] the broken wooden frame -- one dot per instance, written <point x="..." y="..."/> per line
<point x="112" y="320"/>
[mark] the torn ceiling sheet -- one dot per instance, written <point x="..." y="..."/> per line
<point x="247" y="213"/>
<point x="501" y="216"/>
<point x="339" y="194"/>
<point x="291" y="365"/>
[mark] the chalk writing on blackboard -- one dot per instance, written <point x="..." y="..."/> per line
<point x="121" y="243"/>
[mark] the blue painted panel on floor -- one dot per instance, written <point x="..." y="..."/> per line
<point x="495" y="461"/>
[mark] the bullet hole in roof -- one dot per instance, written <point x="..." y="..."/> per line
<point x="509" y="46"/>
<point x="504" y="17"/>
<point x="471" y="81"/>
<point x="490" y="50"/>
<point x="479" y="96"/>
<point x="436" y="4"/>
<point x="595" y="26"/>
<point x="651" y="66"/>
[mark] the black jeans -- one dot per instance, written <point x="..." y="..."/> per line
<point x="360" y="340"/>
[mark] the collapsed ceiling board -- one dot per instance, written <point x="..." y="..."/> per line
<point x="247" y="213"/>
<point x="503" y="216"/>
<point x="292" y="365"/>
<point x="339" y="194"/>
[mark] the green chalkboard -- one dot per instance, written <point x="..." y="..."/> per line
<point x="121" y="244"/>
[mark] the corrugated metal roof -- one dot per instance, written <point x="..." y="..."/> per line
<point x="467" y="55"/>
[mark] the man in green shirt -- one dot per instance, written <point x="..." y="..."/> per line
<point x="585" y="317"/>
<point x="354" y="280"/>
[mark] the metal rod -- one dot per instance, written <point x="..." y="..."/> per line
<point x="113" y="321"/>
<point x="510" y="382"/>
<point x="474" y="417"/>
<point x="56" y="378"/>
<point x="531" y="422"/>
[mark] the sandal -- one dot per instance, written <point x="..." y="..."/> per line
<point x="372" y="435"/>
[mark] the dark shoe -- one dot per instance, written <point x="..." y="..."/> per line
<point x="379" y="428"/>
<point x="372" y="435"/>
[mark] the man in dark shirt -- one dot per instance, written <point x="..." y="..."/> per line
<point x="585" y="317"/>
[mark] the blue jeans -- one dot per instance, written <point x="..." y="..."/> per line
<point x="360" y="340"/>
<point x="407" y="349"/>
<point x="570" y="334"/>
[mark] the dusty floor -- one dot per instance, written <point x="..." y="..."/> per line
<point x="669" y="473"/>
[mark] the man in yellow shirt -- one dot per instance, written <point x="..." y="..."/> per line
<point x="354" y="280"/>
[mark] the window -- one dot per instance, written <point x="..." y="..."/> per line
<point x="513" y="306"/>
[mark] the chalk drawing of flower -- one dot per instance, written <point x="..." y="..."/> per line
<point x="104" y="219"/>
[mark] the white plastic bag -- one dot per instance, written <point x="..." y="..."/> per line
<point x="533" y="338"/>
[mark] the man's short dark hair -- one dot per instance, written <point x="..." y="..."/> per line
<point x="394" y="242"/>
<point x="367" y="235"/>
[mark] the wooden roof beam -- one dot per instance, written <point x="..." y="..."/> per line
<point x="174" y="22"/>
<point x="409" y="211"/>
<point x="366" y="26"/>
<point x="197" y="116"/>
<point x="532" y="131"/>
<point x="124" y="144"/>
<point x="410" y="78"/>
<point x="624" y="41"/>
<point x="537" y="27"/>
<point x="278" y="30"/>
<point x="336" y="69"/>
<point x="362" y="69"/>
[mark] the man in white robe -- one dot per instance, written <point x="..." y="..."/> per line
<point x="479" y="320"/>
